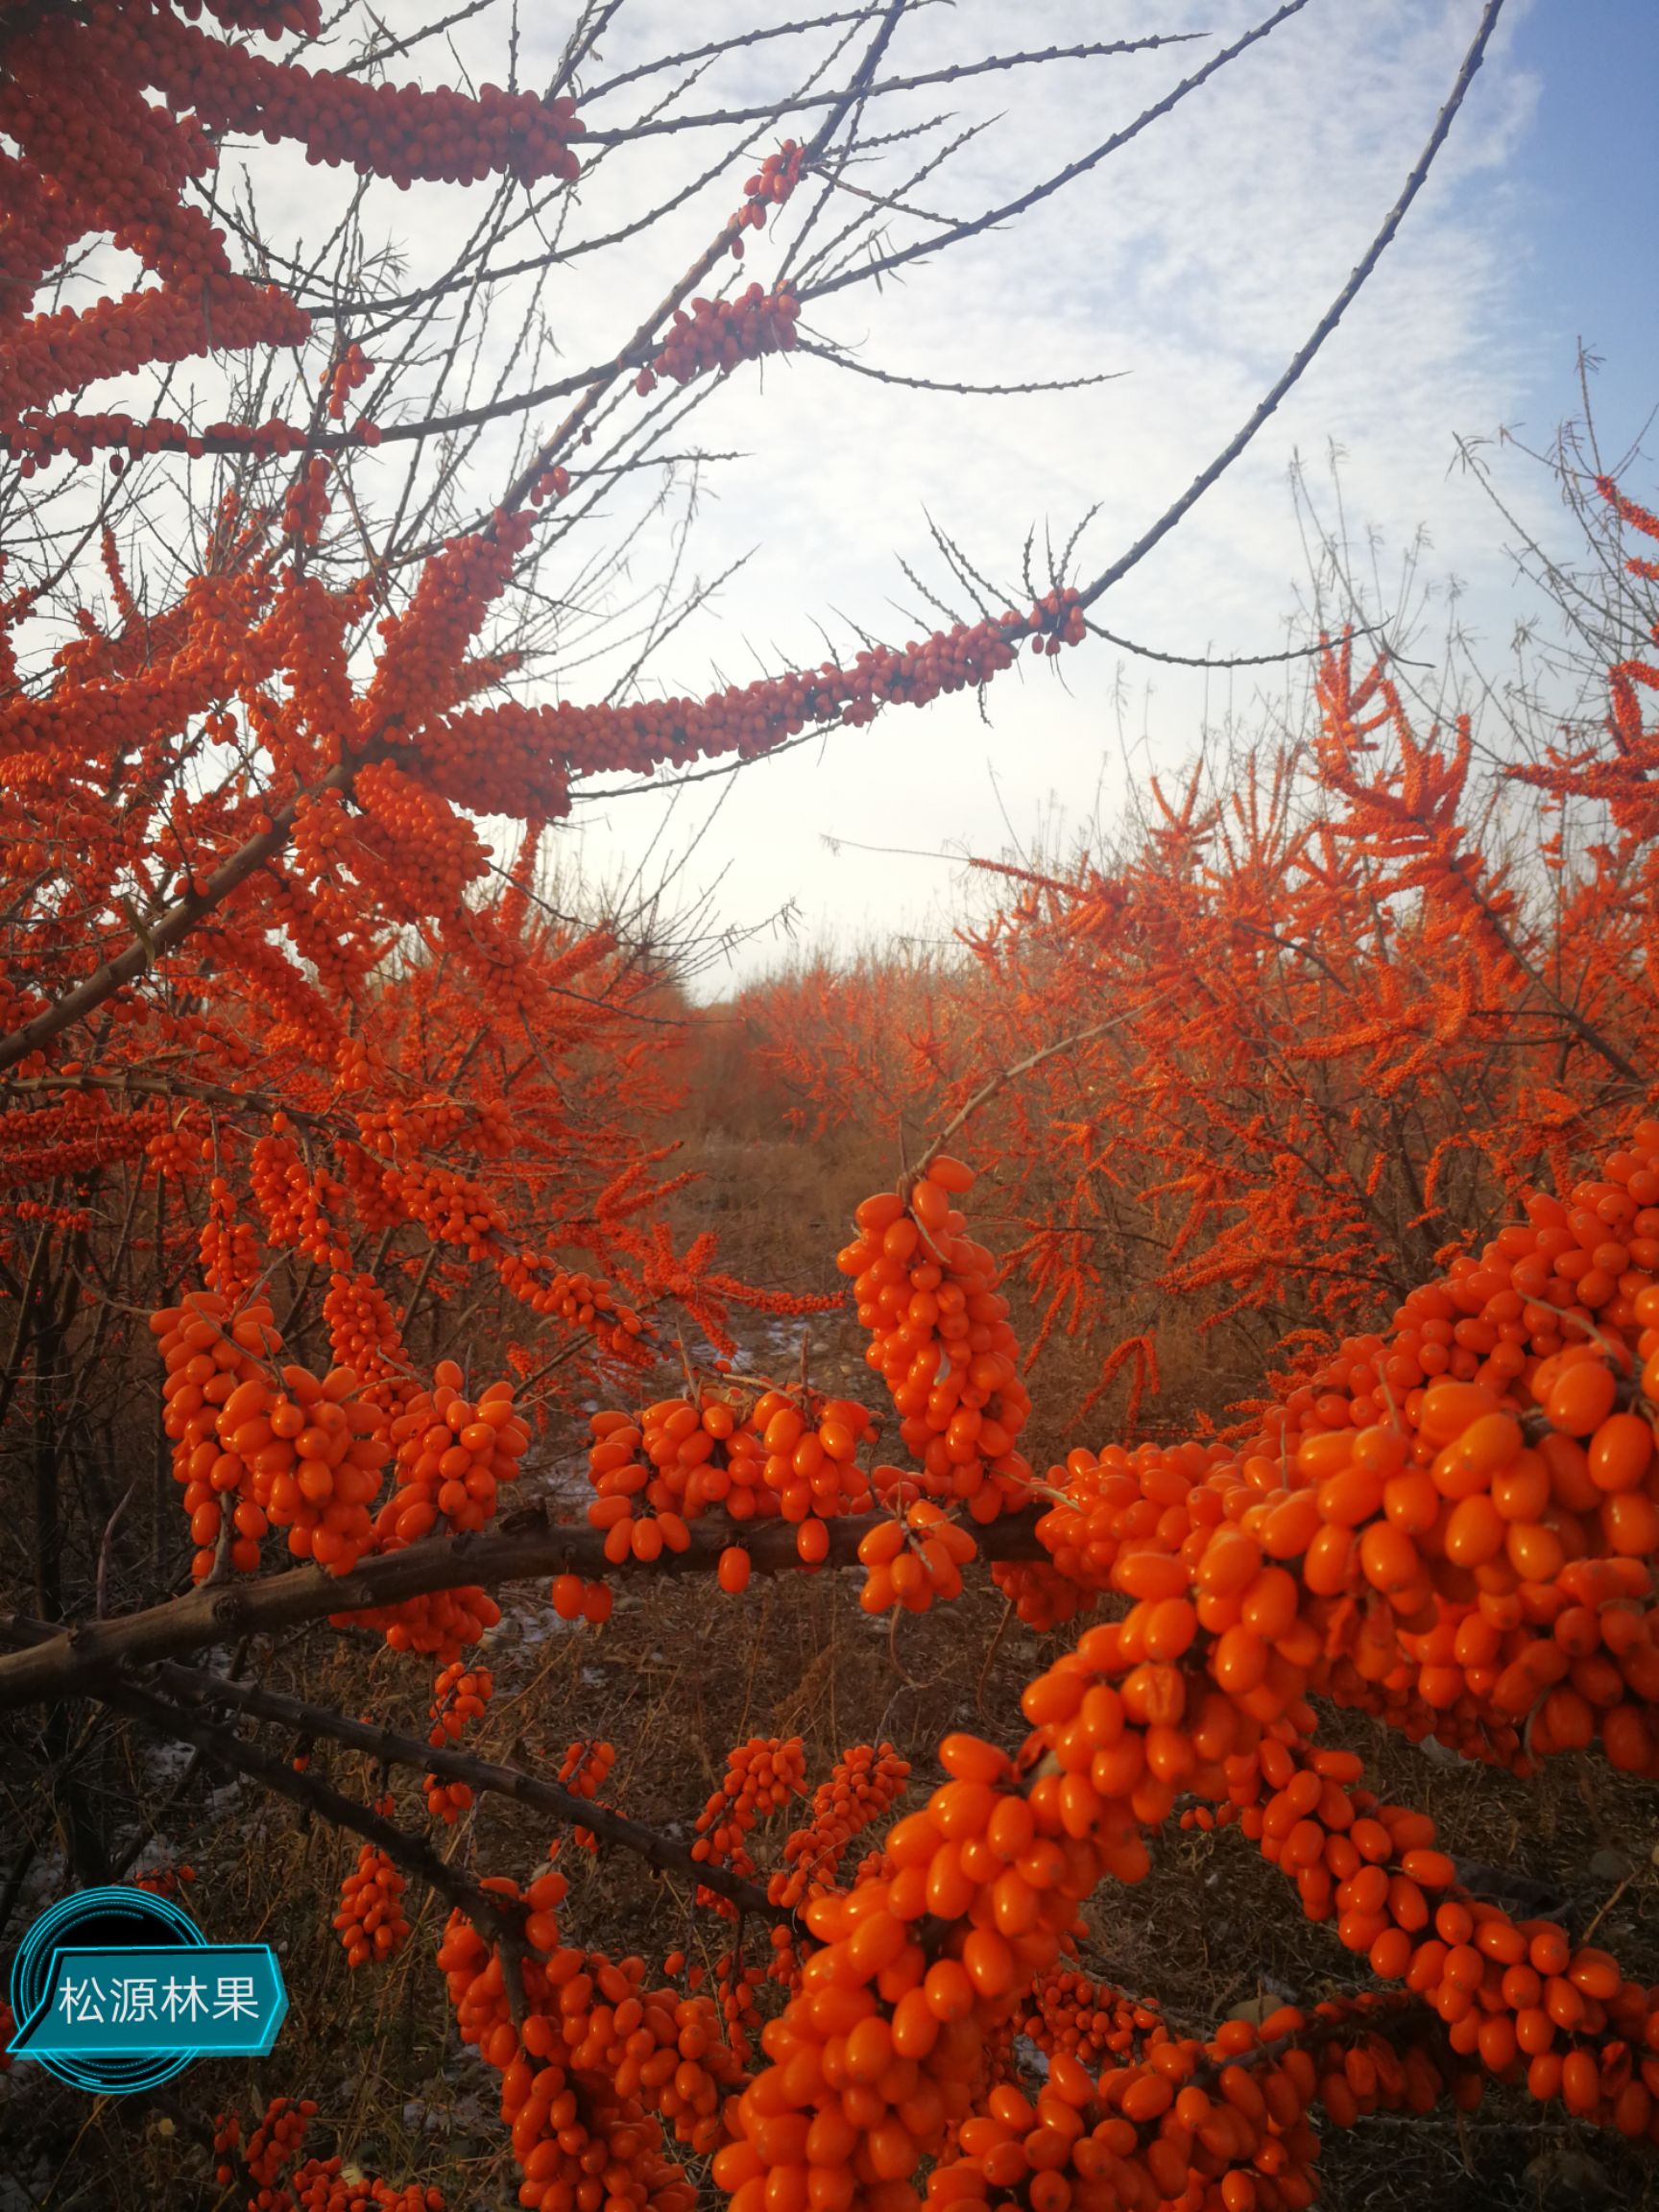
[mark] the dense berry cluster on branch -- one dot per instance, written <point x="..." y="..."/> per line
<point x="719" y="333"/>
<point x="371" y="1921"/>
<point x="95" y="155"/>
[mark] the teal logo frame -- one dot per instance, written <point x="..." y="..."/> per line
<point x="116" y="1989"/>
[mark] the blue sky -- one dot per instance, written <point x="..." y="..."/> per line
<point x="1591" y="190"/>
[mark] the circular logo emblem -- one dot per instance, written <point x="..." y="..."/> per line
<point x="111" y="1919"/>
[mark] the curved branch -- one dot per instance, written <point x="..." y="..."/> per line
<point x="1322" y="329"/>
<point x="412" y="1853"/>
<point x="879" y="266"/>
<point x="194" y="1685"/>
<point x="69" y="1662"/>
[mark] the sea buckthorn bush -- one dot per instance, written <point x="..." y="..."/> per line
<point x="464" y="1494"/>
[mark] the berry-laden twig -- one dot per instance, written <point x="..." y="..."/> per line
<point x="411" y="1853"/>
<point x="193" y="1686"/>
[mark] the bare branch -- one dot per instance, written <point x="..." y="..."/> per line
<point x="201" y="1617"/>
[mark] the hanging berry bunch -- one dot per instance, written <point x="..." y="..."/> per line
<point x="866" y="1782"/>
<point x="459" y="1695"/>
<point x="914" y="1558"/>
<point x="752" y="1453"/>
<point x="597" y="2058"/>
<point x="452" y="1453"/>
<point x="939" y="1338"/>
<point x="583" y="1772"/>
<point x="719" y="333"/>
<point x="771" y="185"/>
<point x="371" y="1922"/>
<point x="761" y="1777"/>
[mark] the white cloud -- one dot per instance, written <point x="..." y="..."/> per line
<point x="1195" y="260"/>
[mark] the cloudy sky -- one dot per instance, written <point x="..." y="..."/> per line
<point x="1187" y="268"/>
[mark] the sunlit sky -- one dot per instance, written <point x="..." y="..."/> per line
<point x="1194" y="264"/>
<point x="1185" y="271"/>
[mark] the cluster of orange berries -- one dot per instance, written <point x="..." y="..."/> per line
<point x="272" y="19"/>
<point x="939" y="1338"/>
<point x="321" y="1470"/>
<point x="762" y="1776"/>
<point x="273" y="2144"/>
<point x="304" y="1457"/>
<point x="320" y="2185"/>
<point x="769" y="186"/>
<point x="1066" y="2012"/>
<point x="1043" y="1597"/>
<point x="719" y="333"/>
<point x="913" y="1559"/>
<point x="80" y="1132"/>
<point x="451" y="1455"/>
<point x="300" y="1206"/>
<point x="583" y="1772"/>
<point x="595" y="2048"/>
<point x="447" y="1802"/>
<point x="1474" y="1499"/>
<point x="1222" y="2123"/>
<point x="424" y="844"/>
<point x="789" y="1452"/>
<point x="425" y="648"/>
<point x="226" y="1246"/>
<point x="452" y="1208"/>
<point x="399" y="1131"/>
<point x="748" y="719"/>
<point x="163" y="1881"/>
<point x="371" y="1919"/>
<point x="587" y="1302"/>
<point x="352" y="369"/>
<point x="739" y="1987"/>
<point x="1449" y="1573"/>
<point x="363" y="1333"/>
<point x="574" y="1600"/>
<point x="66" y="350"/>
<point x="305" y="503"/>
<point x="69" y="1221"/>
<point x="1518" y="1999"/>
<point x="393" y="130"/>
<point x="875" y="2057"/>
<point x="1537" y="1286"/>
<point x="1491" y="1625"/>
<point x="459" y="1695"/>
<point x="874" y="2060"/>
<point x="97" y="155"/>
<point x="442" y="1623"/>
<point x="37" y="437"/>
<point x="364" y="1177"/>
<point x="552" y="484"/>
<point x="866" y="1781"/>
